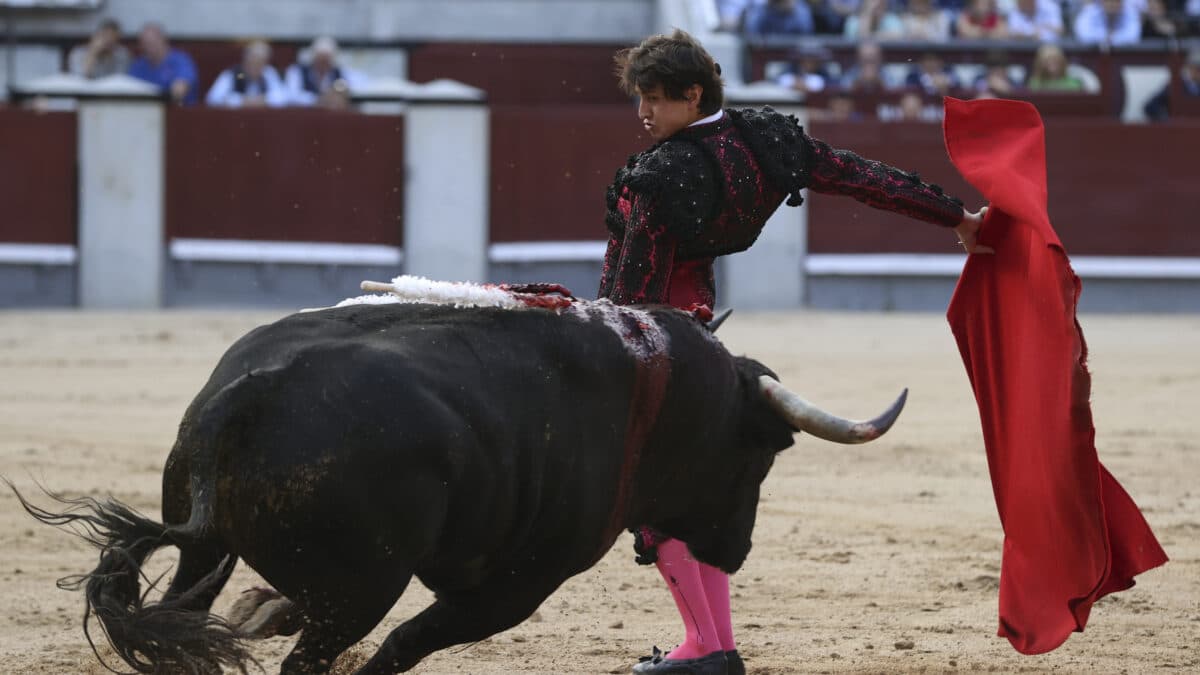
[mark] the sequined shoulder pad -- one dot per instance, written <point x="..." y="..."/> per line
<point x="781" y="147"/>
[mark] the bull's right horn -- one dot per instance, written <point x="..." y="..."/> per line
<point x="807" y="417"/>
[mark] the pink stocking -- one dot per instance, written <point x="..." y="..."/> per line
<point x="716" y="590"/>
<point x="682" y="574"/>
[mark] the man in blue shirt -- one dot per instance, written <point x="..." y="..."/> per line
<point x="171" y="69"/>
<point x="779" y="17"/>
<point x="1109" y="22"/>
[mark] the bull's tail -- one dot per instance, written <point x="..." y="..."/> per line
<point x="166" y="636"/>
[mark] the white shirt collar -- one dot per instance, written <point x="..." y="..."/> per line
<point x="708" y="120"/>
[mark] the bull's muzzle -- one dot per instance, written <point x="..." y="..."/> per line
<point x="809" y="418"/>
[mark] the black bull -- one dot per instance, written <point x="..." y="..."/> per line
<point x="493" y="453"/>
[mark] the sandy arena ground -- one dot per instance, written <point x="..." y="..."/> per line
<point x="857" y="549"/>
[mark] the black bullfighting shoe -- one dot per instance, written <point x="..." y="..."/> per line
<point x="734" y="661"/>
<point x="658" y="664"/>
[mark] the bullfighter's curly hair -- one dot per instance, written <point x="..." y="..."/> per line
<point x="675" y="61"/>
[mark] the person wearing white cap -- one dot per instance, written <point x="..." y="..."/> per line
<point x="317" y="78"/>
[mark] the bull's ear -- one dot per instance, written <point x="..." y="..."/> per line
<point x="750" y="370"/>
<point x="761" y="427"/>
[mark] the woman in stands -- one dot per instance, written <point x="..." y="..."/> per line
<point x="1049" y="71"/>
<point x="705" y="189"/>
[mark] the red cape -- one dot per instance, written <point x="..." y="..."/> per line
<point x="1071" y="533"/>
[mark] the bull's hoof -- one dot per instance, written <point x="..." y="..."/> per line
<point x="248" y="603"/>
<point x="659" y="664"/>
<point x="262" y="613"/>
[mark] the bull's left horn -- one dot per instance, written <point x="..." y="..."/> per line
<point x="807" y="417"/>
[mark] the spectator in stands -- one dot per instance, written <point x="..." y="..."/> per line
<point x="829" y="16"/>
<point x="809" y="70"/>
<point x="923" y="22"/>
<point x="1190" y="73"/>
<point x="102" y="55"/>
<point x="1191" y="14"/>
<point x="732" y="13"/>
<point x="170" y="69"/>
<point x="980" y="20"/>
<point x="1049" y="71"/>
<point x="1158" y="22"/>
<point x="1157" y="109"/>
<point x="780" y="17"/>
<point x="932" y="76"/>
<point x="1109" y="22"/>
<point x="873" y="21"/>
<point x="866" y="75"/>
<point x="912" y="107"/>
<point x="953" y="7"/>
<point x="254" y="83"/>
<point x="1039" y="20"/>
<point x="996" y="79"/>
<point x="842" y="109"/>
<point x="319" y="79"/>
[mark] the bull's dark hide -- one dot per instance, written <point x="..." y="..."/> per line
<point x="343" y="451"/>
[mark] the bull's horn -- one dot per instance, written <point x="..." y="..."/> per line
<point x="720" y="319"/>
<point x="807" y="417"/>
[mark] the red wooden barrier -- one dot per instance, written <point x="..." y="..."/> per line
<point x="285" y="175"/>
<point x="1114" y="189"/>
<point x="310" y="175"/>
<point x="551" y="165"/>
<point x="38" y="190"/>
<point x="1183" y="104"/>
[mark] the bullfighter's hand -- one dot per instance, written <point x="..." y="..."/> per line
<point x="968" y="231"/>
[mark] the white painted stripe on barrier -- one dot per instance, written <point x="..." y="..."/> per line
<point x="884" y="264"/>
<point x="547" y="251"/>
<point x="284" y="252"/>
<point x="821" y="264"/>
<point x="1142" y="267"/>
<point x="926" y="265"/>
<point x="38" y="254"/>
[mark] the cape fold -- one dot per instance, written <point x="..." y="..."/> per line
<point x="1071" y="533"/>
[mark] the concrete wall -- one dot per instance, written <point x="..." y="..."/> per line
<point x="446" y="191"/>
<point x="770" y="275"/>
<point x="379" y="20"/>
<point x="37" y="285"/>
<point x="284" y="286"/>
<point x="27" y="62"/>
<point x="121" y="204"/>
<point x="932" y="294"/>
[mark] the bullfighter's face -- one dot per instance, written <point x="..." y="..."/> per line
<point x="662" y="115"/>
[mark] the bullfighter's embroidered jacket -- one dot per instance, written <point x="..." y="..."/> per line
<point x="708" y="190"/>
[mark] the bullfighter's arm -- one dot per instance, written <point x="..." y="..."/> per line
<point x="881" y="186"/>
<point x="647" y="254"/>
